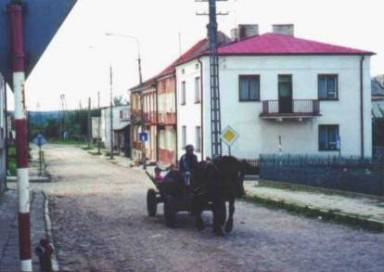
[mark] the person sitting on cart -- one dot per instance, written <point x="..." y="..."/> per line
<point x="188" y="164"/>
<point x="158" y="177"/>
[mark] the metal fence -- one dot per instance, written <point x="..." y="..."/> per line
<point x="339" y="173"/>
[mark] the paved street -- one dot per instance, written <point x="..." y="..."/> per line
<point x="100" y="224"/>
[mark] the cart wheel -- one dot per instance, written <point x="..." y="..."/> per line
<point x="170" y="211"/>
<point x="151" y="202"/>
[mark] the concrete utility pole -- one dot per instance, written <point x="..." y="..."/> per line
<point x="140" y="80"/>
<point x="111" y="110"/>
<point x="89" y="123"/>
<point x="216" y="145"/>
<point x="98" y="124"/>
<point x="15" y="13"/>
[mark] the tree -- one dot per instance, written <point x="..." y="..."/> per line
<point x="119" y="101"/>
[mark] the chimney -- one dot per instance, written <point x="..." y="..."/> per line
<point x="244" y="31"/>
<point x="285" y="29"/>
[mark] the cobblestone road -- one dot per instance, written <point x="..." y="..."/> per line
<point x="100" y="224"/>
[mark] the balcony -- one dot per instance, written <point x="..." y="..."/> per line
<point x="290" y="109"/>
<point x="167" y="118"/>
<point x="150" y="118"/>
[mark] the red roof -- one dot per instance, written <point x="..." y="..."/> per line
<point x="279" y="44"/>
<point x="195" y="51"/>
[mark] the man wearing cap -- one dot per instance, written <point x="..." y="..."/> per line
<point x="188" y="164"/>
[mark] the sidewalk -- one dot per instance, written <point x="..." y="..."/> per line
<point x="9" y="241"/>
<point x="358" y="209"/>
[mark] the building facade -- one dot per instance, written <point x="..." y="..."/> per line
<point x="166" y="116"/>
<point x="120" y="129"/>
<point x="158" y="98"/>
<point x="282" y="95"/>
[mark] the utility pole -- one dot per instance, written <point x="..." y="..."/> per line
<point x="216" y="145"/>
<point x="15" y="12"/>
<point x="111" y="110"/>
<point x="89" y="123"/>
<point x="98" y="124"/>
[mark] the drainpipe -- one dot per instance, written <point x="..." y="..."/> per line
<point x="202" y="107"/>
<point x="16" y="20"/>
<point x="362" y="151"/>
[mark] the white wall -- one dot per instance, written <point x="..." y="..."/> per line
<point x="188" y="115"/>
<point x="117" y="122"/>
<point x="259" y="136"/>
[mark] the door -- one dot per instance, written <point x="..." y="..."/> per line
<point x="285" y="94"/>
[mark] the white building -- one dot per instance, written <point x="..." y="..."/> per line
<point x="121" y="128"/>
<point x="281" y="94"/>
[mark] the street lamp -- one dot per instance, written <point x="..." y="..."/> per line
<point x="110" y="34"/>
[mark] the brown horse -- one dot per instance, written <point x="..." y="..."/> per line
<point x="215" y="183"/>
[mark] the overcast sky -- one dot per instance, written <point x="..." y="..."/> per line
<point x="77" y="61"/>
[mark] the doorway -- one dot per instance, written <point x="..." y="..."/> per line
<point x="285" y="94"/>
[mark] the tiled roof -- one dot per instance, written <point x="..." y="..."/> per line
<point x="195" y="51"/>
<point x="279" y="44"/>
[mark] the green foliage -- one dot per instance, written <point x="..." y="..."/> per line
<point x="74" y="123"/>
<point x="12" y="166"/>
<point x="119" y="101"/>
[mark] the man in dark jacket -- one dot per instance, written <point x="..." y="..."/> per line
<point x="188" y="164"/>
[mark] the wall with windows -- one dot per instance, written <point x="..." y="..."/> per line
<point x="188" y="105"/>
<point x="258" y="135"/>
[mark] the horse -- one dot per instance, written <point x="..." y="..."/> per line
<point x="215" y="183"/>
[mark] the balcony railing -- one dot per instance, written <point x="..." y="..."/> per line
<point x="167" y="118"/>
<point x="301" y="108"/>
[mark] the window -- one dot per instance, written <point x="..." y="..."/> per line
<point x="198" y="139"/>
<point x="184" y="136"/>
<point x="329" y="138"/>
<point x="197" y="90"/>
<point x="183" y="93"/>
<point x="249" y="88"/>
<point x="328" y="87"/>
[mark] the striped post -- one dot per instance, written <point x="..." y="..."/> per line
<point x="15" y="12"/>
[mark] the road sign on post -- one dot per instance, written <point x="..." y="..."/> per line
<point x="40" y="141"/>
<point x="143" y="137"/>
<point x="229" y="137"/>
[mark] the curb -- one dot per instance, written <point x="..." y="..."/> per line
<point x="331" y="215"/>
<point x="48" y="227"/>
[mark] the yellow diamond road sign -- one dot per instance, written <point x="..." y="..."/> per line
<point x="229" y="135"/>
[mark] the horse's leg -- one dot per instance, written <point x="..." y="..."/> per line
<point x="219" y="214"/>
<point x="229" y="224"/>
<point x="198" y="215"/>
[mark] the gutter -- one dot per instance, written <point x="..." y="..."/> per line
<point x="362" y="151"/>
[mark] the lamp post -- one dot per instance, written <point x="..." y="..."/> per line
<point x="109" y="34"/>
